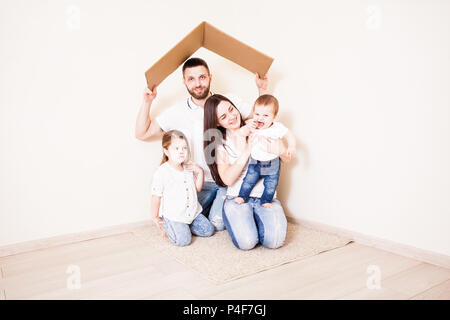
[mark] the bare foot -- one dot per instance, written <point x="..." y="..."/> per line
<point x="267" y="205"/>
<point x="239" y="200"/>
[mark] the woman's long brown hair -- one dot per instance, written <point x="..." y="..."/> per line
<point x="211" y="137"/>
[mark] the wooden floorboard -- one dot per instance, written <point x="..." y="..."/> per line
<point x="125" y="267"/>
<point x="438" y="292"/>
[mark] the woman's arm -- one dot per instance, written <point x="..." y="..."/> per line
<point x="291" y="148"/>
<point x="229" y="173"/>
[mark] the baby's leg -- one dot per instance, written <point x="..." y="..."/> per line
<point x="251" y="178"/>
<point x="272" y="168"/>
<point x="178" y="232"/>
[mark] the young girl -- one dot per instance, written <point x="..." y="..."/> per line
<point x="174" y="205"/>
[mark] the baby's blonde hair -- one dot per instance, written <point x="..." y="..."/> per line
<point x="167" y="141"/>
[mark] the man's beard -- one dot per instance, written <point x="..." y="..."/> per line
<point x="201" y="96"/>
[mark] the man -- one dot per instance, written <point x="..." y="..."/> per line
<point x="187" y="117"/>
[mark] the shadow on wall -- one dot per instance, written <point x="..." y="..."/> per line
<point x="286" y="176"/>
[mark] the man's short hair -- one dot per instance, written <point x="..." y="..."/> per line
<point x="194" y="62"/>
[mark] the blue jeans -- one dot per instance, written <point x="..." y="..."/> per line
<point x="180" y="233"/>
<point x="250" y="223"/>
<point x="211" y="197"/>
<point x="269" y="171"/>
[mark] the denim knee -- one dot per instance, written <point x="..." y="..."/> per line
<point x="247" y="243"/>
<point x="208" y="230"/>
<point x="182" y="240"/>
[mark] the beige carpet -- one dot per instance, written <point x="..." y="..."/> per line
<point x="217" y="259"/>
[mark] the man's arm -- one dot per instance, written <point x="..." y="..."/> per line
<point x="145" y="127"/>
<point x="262" y="84"/>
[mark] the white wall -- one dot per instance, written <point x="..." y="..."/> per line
<point x="363" y="84"/>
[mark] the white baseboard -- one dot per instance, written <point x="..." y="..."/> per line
<point x="22" y="247"/>
<point x="394" y="247"/>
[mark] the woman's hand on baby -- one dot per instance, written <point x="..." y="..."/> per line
<point x="274" y="146"/>
<point x="291" y="153"/>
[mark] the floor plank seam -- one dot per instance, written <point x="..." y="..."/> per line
<point x="402" y="271"/>
<point x="418" y="294"/>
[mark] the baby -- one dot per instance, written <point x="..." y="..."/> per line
<point x="263" y="164"/>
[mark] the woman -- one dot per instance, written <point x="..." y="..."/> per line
<point x="227" y="153"/>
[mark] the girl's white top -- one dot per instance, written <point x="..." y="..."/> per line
<point x="233" y="190"/>
<point x="178" y="194"/>
<point x="276" y="131"/>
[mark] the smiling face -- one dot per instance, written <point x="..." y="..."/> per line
<point x="197" y="81"/>
<point x="264" y="115"/>
<point x="228" y="116"/>
<point x="178" y="150"/>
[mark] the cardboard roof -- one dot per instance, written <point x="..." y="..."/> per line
<point x="211" y="38"/>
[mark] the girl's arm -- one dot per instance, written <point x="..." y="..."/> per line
<point x="154" y="207"/>
<point x="198" y="173"/>
<point x="154" y="210"/>
<point x="198" y="178"/>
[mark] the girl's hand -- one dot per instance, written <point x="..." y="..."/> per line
<point x="149" y="95"/>
<point x="193" y="167"/>
<point x="159" y="223"/>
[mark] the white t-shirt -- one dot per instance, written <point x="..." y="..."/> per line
<point x="187" y="117"/>
<point x="178" y="194"/>
<point x="234" y="189"/>
<point x="276" y="131"/>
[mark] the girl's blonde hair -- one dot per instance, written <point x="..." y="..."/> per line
<point x="167" y="141"/>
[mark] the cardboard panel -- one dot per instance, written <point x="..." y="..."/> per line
<point x="175" y="57"/>
<point x="236" y="51"/>
<point x="206" y="35"/>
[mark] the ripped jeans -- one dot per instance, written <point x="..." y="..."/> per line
<point x="180" y="233"/>
<point x="250" y="223"/>
<point x="211" y="197"/>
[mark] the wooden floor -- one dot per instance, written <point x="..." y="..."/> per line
<point x="124" y="267"/>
